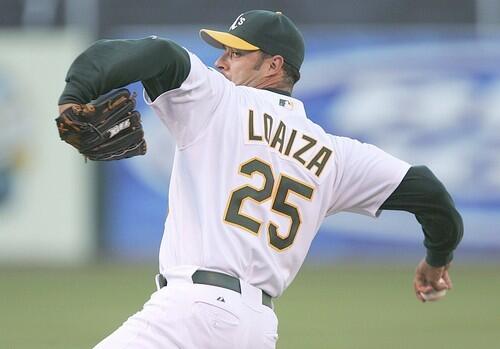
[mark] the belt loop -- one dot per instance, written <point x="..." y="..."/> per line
<point x="251" y="295"/>
<point x="160" y="281"/>
<point x="267" y="300"/>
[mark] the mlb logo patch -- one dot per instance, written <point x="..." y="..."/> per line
<point x="286" y="103"/>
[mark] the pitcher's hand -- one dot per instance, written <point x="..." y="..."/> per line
<point x="427" y="279"/>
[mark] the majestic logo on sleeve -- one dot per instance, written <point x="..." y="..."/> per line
<point x="238" y="21"/>
<point x="289" y="142"/>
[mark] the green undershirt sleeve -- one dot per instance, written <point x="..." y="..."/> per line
<point x="161" y="65"/>
<point x="422" y="194"/>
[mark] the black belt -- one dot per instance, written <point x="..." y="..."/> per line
<point x="214" y="278"/>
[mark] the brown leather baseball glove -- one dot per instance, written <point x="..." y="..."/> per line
<point x="107" y="129"/>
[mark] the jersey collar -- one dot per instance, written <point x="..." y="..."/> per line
<point x="281" y="92"/>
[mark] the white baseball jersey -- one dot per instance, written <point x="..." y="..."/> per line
<point x="253" y="178"/>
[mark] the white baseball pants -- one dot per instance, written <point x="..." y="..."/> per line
<point x="196" y="316"/>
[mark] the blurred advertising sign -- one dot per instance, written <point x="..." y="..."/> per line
<point x="46" y="213"/>
<point x="427" y="96"/>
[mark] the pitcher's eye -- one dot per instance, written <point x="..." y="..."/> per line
<point x="235" y="53"/>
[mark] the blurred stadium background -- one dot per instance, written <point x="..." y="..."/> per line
<point x="420" y="79"/>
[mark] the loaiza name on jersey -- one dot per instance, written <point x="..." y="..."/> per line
<point x="285" y="141"/>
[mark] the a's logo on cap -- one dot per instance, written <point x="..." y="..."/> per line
<point x="238" y="21"/>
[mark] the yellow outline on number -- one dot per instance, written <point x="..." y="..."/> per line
<point x="285" y="215"/>
<point x="272" y="197"/>
<point x="248" y="197"/>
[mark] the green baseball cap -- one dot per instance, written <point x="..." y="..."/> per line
<point x="271" y="32"/>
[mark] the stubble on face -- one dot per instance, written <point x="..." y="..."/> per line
<point x="242" y="67"/>
<point x="260" y="60"/>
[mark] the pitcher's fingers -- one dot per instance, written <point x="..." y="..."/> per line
<point x="424" y="289"/>
<point x="420" y="285"/>
<point x="447" y="280"/>
<point x="419" y="296"/>
<point x="438" y="286"/>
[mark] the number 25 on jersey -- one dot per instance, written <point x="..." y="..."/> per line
<point x="278" y="193"/>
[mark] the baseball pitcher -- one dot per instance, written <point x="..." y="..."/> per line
<point x="252" y="180"/>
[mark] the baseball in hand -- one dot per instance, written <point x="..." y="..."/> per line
<point x="434" y="295"/>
